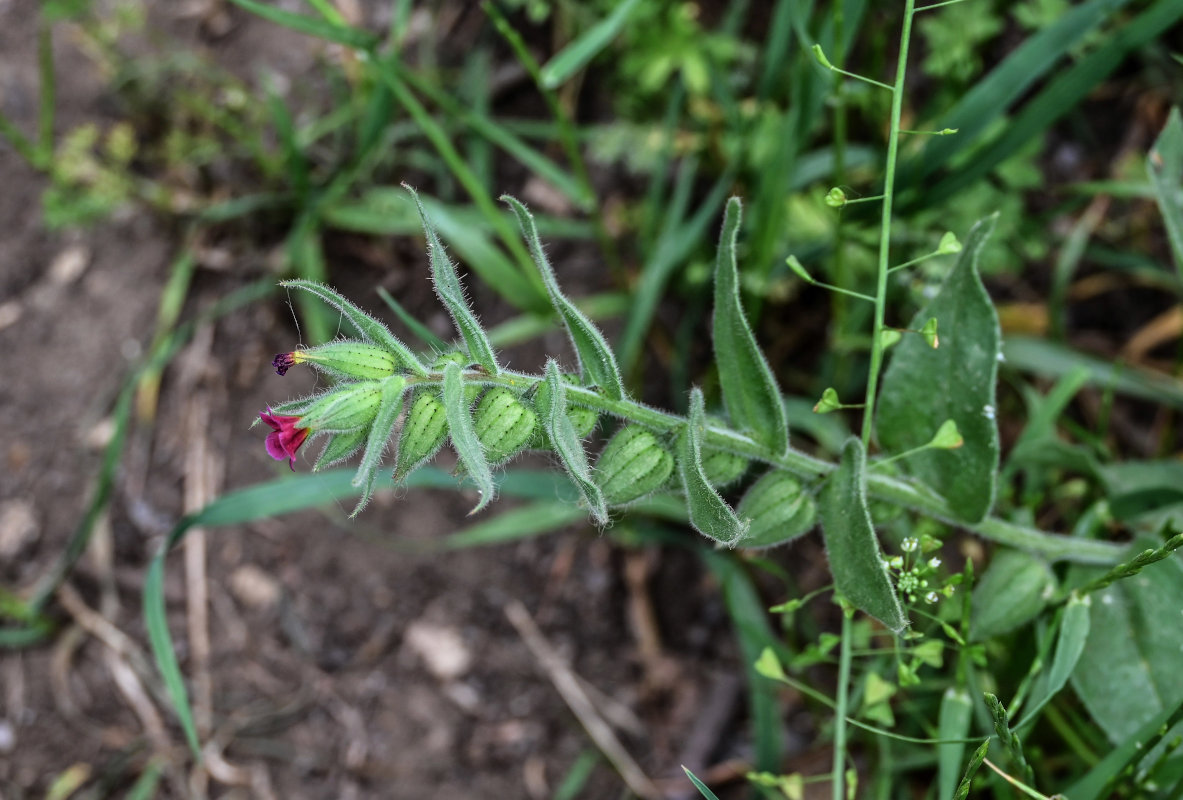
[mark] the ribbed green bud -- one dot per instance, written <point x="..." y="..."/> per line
<point x="423" y="433"/>
<point x="778" y="509"/>
<point x="723" y="468"/>
<point x="503" y="424"/>
<point x="343" y="359"/>
<point x="632" y="465"/>
<point x="349" y="407"/>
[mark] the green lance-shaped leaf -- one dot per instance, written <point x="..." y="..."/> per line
<point x="503" y="424"/>
<point x="389" y="408"/>
<point x="451" y="294"/>
<point x="953" y="723"/>
<point x="1165" y="165"/>
<point x="923" y="387"/>
<point x="632" y="465"/>
<point x="458" y="410"/>
<point x="423" y="433"/>
<point x="1013" y="591"/>
<point x="779" y="510"/>
<point x="749" y="388"/>
<point x="551" y="402"/>
<point x="709" y="513"/>
<point x="367" y="326"/>
<point x="596" y="360"/>
<point x="860" y="573"/>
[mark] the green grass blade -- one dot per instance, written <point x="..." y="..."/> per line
<point x="953" y="722"/>
<point x="447" y="286"/>
<point x="749" y="389"/>
<point x="595" y="356"/>
<point x="156" y="620"/>
<point x="439" y="138"/>
<point x="750" y="621"/>
<point x="1055" y="360"/>
<point x="497" y="134"/>
<point x="674" y="245"/>
<point x="1165" y="165"/>
<point x="990" y="98"/>
<point x="418" y="328"/>
<point x="702" y="787"/>
<point x="518" y="523"/>
<point x="1059" y="96"/>
<point x="578" y="53"/>
<point x="321" y="29"/>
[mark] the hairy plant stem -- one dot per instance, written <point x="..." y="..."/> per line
<point x="896" y="490"/>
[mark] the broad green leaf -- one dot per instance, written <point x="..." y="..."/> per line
<point x="595" y="356"/>
<point x="1012" y="592"/>
<point x="860" y="573"/>
<point x="451" y="294"/>
<point x="321" y="29"/>
<point x="749" y="388"/>
<point x="388" y="411"/>
<point x="709" y="513"/>
<point x="953" y="723"/>
<point x="1165" y="165"/>
<point x="1129" y="670"/>
<point x="366" y="325"/>
<point x="583" y="49"/>
<point x="551" y="402"/>
<point x="923" y="387"/>
<point x="458" y="409"/>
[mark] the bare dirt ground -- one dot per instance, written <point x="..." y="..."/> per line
<point x="323" y="663"/>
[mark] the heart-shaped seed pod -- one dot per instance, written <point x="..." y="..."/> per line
<point x="778" y="508"/>
<point x="632" y="465"/>
<point x="423" y="432"/>
<point x="723" y="468"/>
<point x="503" y="424"/>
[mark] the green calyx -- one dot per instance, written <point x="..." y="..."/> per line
<point x="349" y="359"/>
<point x="347" y="408"/>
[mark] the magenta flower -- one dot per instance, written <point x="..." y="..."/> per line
<point x="285" y="437"/>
